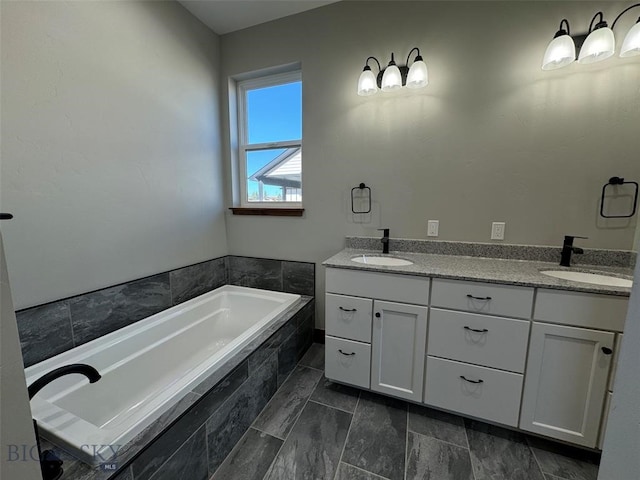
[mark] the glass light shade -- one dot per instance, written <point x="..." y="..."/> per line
<point x="418" y="75"/>
<point x="560" y="53"/>
<point x="599" y="45"/>
<point x="631" y="44"/>
<point x="391" y="79"/>
<point x="367" y="84"/>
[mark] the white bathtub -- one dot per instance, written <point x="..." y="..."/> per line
<point x="147" y="368"/>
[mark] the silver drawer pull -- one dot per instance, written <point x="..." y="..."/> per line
<point x="470" y="381"/>
<point x="348" y="309"/>
<point x="478" y="298"/>
<point x="347" y="354"/>
<point x="484" y="330"/>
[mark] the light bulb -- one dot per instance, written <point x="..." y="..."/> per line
<point x="631" y="44"/>
<point x="367" y="84"/>
<point x="560" y="53"/>
<point x="599" y="45"/>
<point x="418" y="75"/>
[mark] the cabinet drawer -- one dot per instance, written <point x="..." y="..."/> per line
<point x="496" y="398"/>
<point x="348" y="317"/>
<point x="383" y="286"/>
<point x="347" y="361"/>
<point x="499" y="343"/>
<point x="487" y="298"/>
<point x="606" y="312"/>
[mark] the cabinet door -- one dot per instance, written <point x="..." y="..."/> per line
<point x="566" y="382"/>
<point x="398" y="349"/>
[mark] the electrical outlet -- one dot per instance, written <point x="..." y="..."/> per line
<point x="432" y="228"/>
<point x="497" y="230"/>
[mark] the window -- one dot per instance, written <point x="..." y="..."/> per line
<point x="270" y="141"/>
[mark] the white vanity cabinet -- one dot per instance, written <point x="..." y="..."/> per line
<point x="537" y="359"/>
<point x="382" y="317"/>
<point x="566" y="382"/>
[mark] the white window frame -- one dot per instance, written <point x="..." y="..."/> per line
<point x="243" y="146"/>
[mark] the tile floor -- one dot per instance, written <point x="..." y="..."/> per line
<point x="315" y="429"/>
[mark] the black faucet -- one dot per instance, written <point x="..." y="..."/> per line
<point x="50" y="464"/>
<point x="568" y="249"/>
<point x="385" y="239"/>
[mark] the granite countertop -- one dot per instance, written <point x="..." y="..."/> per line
<point x="492" y="270"/>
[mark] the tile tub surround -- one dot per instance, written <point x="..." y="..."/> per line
<point x="82" y="318"/>
<point x="359" y="435"/>
<point x="192" y="440"/>
<point x="482" y="269"/>
<point x="539" y="253"/>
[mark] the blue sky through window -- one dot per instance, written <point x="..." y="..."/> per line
<point x="273" y="114"/>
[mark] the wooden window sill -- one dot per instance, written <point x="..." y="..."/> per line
<point x="271" y="212"/>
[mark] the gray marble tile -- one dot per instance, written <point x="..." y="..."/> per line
<point x="233" y="418"/>
<point x="431" y="459"/>
<point x="377" y="438"/>
<point x="441" y="425"/>
<point x="189" y="462"/>
<point x="44" y="331"/>
<point x="563" y="461"/>
<point x="304" y="338"/>
<point x="272" y="344"/>
<point x="255" y="272"/>
<point x="312" y="450"/>
<point x="500" y="454"/>
<point x="287" y="357"/>
<point x="349" y="472"/>
<point x="299" y="277"/>
<point x="336" y="395"/>
<point x="194" y="280"/>
<point x="314" y="357"/>
<point x="251" y="458"/>
<point x="552" y="477"/>
<point x="98" y="313"/>
<point x="283" y="409"/>
<point x="166" y="444"/>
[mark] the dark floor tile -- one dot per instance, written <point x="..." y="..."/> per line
<point x="377" y="438"/>
<point x="287" y="357"/>
<point x="431" y="459"/>
<point x="336" y="395"/>
<point x="255" y="272"/>
<point x="96" y="314"/>
<point x="233" y="418"/>
<point x="281" y="413"/>
<point x="251" y="458"/>
<point x="124" y="475"/>
<point x="299" y="277"/>
<point x="500" y="454"/>
<point x="312" y="450"/>
<point x="194" y="280"/>
<point x="44" y="331"/>
<point x="563" y="461"/>
<point x="188" y="463"/>
<point x="314" y="357"/>
<point x="552" y="477"/>
<point x="349" y="472"/>
<point x="436" y="424"/>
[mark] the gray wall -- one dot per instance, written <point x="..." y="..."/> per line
<point x="492" y="138"/>
<point x="110" y="144"/>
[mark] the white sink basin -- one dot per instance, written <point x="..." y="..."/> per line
<point x="382" y="261"/>
<point x="593" y="278"/>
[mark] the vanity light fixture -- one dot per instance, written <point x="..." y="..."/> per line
<point x="394" y="76"/>
<point x="594" y="46"/>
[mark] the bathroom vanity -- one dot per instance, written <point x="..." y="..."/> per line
<point x="487" y="338"/>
